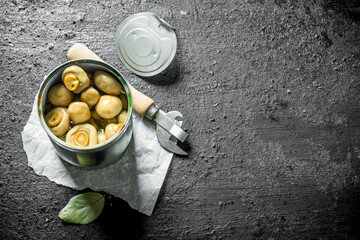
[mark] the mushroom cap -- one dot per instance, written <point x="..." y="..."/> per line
<point x="111" y="129"/>
<point x="82" y="135"/>
<point x="58" y="120"/>
<point x="60" y="96"/>
<point x="90" y="95"/>
<point x="79" y="112"/>
<point x="107" y="83"/>
<point x="108" y="106"/>
<point x="75" y="79"/>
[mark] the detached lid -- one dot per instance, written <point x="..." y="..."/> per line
<point x="145" y="43"/>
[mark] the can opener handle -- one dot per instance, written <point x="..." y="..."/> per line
<point x="141" y="102"/>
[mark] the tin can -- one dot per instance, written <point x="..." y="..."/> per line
<point x="145" y="43"/>
<point x="90" y="157"/>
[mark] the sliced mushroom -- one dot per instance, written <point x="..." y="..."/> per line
<point x="108" y="106"/>
<point x="75" y="79"/>
<point x="60" y="96"/>
<point x="58" y="120"/>
<point x="79" y="112"/>
<point x="122" y="116"/>
<point x="111" y="129"/>
<point x="107" y="83"/>
<point x="90" y="95"/>
<point x="82" y="135"/>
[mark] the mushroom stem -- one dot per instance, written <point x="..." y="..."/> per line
<point x="71" y="82"/>
<point x="54" y="118"/>
<point x="58" y="120"/>
<point x="81" y="138"/>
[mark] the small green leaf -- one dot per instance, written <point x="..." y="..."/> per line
<point x="83" y="208"/>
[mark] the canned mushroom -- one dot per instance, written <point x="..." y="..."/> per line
<point x="87" y="107"/>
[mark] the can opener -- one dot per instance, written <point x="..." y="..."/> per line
<point x="167" y="126"/>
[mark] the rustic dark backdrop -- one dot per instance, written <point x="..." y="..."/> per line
<point x="270" y="91"/>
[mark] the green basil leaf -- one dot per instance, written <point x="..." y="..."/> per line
<point x="83" y="208"/>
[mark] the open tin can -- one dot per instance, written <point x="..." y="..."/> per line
<point x="89" y="157"/>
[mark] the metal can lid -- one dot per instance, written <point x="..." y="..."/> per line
<point x="145" y="43"/>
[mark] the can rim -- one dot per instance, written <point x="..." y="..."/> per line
<point x="71" y="147"/>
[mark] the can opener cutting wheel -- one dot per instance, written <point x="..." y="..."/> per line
<point x="167" y="127"/>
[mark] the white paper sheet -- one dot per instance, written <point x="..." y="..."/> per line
<point x="136" y="178"/>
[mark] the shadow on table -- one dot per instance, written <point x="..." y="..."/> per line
<point x="349" y="8"/>
<point x="167" y="77"/>
<point x="347" y="210"/>
<point x="119" y="221"/>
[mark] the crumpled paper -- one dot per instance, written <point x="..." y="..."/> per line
<point x="136" y="178"/>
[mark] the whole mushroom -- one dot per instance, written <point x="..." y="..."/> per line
<point x="108" y="106"/>
<point x="111" y="129"/>
<point x="58" y="120"/>
<point x="79" y="112"/>
<point x="90" y="95"/>
<point x="82" y="135"/>
<point x="60" y="96"/>
<point x="107" y="83"/>
<point x="75" y="79"/>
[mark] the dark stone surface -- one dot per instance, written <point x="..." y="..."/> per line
<point x="270" y="91"/>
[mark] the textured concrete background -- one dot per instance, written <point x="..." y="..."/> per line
<point x="270" y="91"/>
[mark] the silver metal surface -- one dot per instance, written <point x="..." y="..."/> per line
<point x="145" y="43"/>
<point x="151" y="113"/>
<point x="162" y="119"/>
<point x="168" y="124"/>
<point x="165" y="138"/>
<point x="91" y="157"/>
